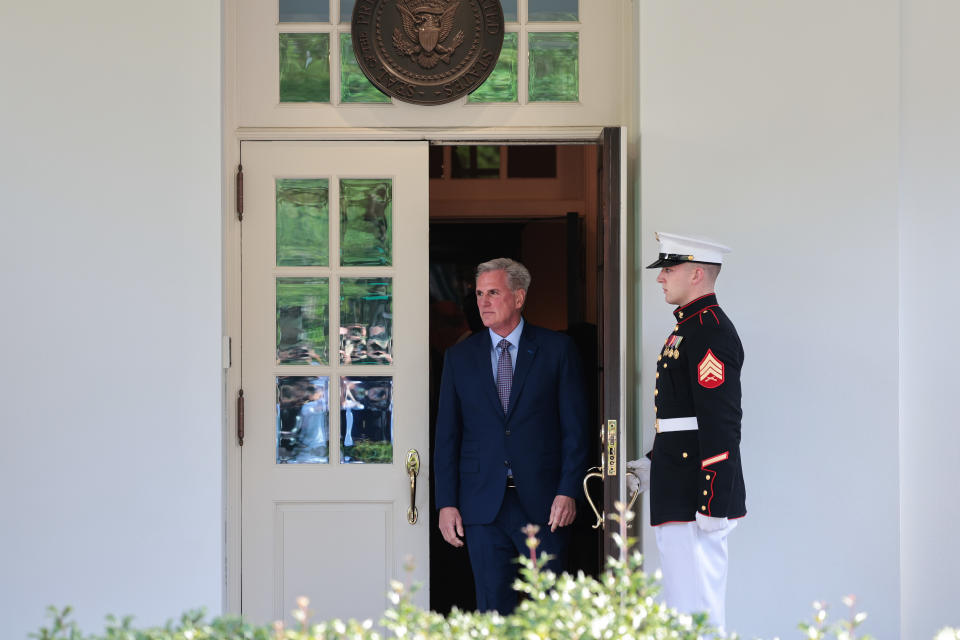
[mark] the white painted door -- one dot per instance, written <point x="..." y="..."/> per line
<point x="334" y="359"/>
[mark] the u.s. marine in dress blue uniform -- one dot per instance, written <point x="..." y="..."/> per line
<point x="693" y="471"/>
<point x="698" y="376"/>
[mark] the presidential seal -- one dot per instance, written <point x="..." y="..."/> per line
<point x="427" y="51"/>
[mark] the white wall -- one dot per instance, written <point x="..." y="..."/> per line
<point x="763" y="125"/>
<point x="110" y="280"/>
<point x="930" y="226"/>
<point x="773" y="127"/>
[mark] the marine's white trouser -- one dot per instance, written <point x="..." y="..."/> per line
<point x="694" y="565"/>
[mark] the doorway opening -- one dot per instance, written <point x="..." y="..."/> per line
<point x="539" y="204"/>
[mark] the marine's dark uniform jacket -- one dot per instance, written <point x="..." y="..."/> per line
<point x="698" y="374"/>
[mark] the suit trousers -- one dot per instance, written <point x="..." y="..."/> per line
<point x="694" y="565"/>
<point x="494" y="549"/>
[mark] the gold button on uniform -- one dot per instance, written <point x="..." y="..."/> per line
<point x="703" y="507"/>
<point x="680" y="314"/>
<point x="658" y="374"/>
<point x="705" y="492"/>
<point x="676" y="327"/>
<point x="664" y="365"/>
<point x="660" y="357"/>
<point x="656" y="392"/>
<point x="685" y="455"/>
<point x="708" y="476"/>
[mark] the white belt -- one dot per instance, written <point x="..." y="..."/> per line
<point x="677" y="424"/>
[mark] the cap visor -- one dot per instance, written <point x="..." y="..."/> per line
<point x="664" y="262"/>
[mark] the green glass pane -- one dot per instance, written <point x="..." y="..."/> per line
<point x="552" y="10"/>
<point x="509" y="10"/>
<point x="366" y="222"/>
<point x="346" y="10"/>
<point x="501" y="85"/>
<point x="475" y="162"/>
<point x="304" y="67"/>
<point x="554" y="67"/>
<point x="303" y="222"/>
<point x="366" y="419"/>
<point x="354" y="86"/>
<point x="303" y="419"/>
<point x="304" y="10"/>
<point x="303" y="306"/>
<point x="366" y="320"/>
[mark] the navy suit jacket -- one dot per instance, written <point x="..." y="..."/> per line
<point x="542" y="438"/>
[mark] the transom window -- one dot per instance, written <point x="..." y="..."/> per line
<point x="539" y="61"/>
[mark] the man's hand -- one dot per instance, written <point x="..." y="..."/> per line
<point x="639" y="477"/>
<point x="563" y="512"/>
<point x="451" y="526"/>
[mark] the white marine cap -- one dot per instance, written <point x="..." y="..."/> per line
<point x="676" y="249"/>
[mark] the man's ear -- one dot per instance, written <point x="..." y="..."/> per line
<point x="698" y="275"/>
<point x="521" y="296"/>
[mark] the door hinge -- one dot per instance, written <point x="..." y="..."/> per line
<point x="226" y="354"/>
<point x="240" y="417"/>
<point x="240" y="192"/>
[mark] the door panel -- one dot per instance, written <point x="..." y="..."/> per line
<point x="334" y="373"/>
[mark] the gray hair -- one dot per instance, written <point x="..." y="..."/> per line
<point x="517" y="275"/>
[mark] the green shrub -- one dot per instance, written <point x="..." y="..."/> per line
<point x="842" y="630"/>
<point x="620" y="604"/>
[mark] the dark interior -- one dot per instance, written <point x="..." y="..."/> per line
<point x="553" y="248"/>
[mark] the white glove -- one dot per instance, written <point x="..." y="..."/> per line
<point x="708" y="524"/>
<point x="641" y="469"/>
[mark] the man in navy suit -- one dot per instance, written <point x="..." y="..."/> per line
<point x="511" y="437"/>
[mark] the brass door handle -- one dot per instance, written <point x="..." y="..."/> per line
<point x="595" y="472"/>
<point x="413" y="470"/>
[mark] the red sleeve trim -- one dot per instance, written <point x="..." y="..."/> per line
<point x="718" y="458"/>
<point x="713" y="478"/>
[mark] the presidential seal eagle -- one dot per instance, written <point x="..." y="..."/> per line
<point x="426" y="26"/>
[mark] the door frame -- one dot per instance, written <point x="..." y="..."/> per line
<point x="612" y="252"/>
<point x="231" y="266"/>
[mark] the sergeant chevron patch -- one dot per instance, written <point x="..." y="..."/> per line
<point x="710" y="371"/>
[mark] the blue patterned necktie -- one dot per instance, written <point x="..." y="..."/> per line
<point x="504" y="374"/>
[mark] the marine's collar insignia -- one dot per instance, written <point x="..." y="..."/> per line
<point x="710" y="371"/>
